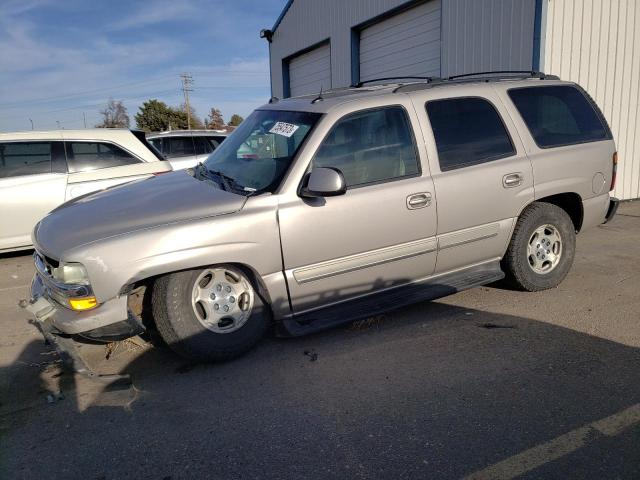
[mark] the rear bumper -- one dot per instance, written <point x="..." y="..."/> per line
<point x="611" y="211"/>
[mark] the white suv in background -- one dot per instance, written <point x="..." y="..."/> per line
<point x="186" y="148"/>
<point x="41" y="170"/>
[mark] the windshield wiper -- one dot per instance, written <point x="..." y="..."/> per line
<point x="225" y="181"/>
<point x="204" y="172"/>
<point x="232" y="182"/>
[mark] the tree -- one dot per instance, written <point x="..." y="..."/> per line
<point x="195" y="120"/>
<point x="114" y="115"/>
<point x="235" y="120"/>
<point x="154" y="116"/>
<point x="216" y="122"/>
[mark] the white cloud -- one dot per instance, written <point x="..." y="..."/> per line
<point x="58" y="79"/>
<point x="12" y="8"/>
<point x="158" y="11"/>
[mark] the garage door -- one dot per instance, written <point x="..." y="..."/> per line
<point x="406" y="44"/>
<point x="310" y="71"/>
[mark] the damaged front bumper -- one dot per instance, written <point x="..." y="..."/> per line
<point x="65" y="329"/>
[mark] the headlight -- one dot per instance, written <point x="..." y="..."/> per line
<point x="71" y="274"/>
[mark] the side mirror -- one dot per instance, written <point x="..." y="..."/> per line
<point x="324" y="182"/>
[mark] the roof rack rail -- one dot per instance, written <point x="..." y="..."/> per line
<point x="529" y="73"/>
<point x="468" y="77"/>
<point x="363" y="82"/>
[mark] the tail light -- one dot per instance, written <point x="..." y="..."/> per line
<point x="614" y="172"/>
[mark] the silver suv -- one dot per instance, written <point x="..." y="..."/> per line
<point x="322" y="209"/>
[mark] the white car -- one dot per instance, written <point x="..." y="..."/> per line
<point x="41" y="170"/>
<point x="186" y="148"/>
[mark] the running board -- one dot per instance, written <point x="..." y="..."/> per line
<point x="377" y="303"/>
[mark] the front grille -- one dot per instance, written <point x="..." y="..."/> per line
<point x="44" y="263"/>
<point x="57" y="291"/>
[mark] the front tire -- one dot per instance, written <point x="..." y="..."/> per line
<point x="542" y="248"/>
<point x="209" y="314"/>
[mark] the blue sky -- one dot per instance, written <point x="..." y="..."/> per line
<point x="60" y="58"/>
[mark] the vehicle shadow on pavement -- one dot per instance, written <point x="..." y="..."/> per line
<point x="429" y="391"/>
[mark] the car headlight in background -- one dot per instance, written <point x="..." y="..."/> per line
<point x="71" y="274"/>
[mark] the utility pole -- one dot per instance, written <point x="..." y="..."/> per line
<point x="58" y="123"/>
<point x="84" y="117"/>
<point x="187" y="82"/>
<point x="31" y="124"/>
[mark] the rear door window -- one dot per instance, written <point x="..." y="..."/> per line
<point x="558" y="115"/>
<point x="468" y="131"/>
<point x="87" y="156"/>
<point x="24" y="158"/>
<point x="178" y="146"/>
<point x="202" y="146"/>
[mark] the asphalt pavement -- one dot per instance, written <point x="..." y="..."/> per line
<point x="486" y="384"/>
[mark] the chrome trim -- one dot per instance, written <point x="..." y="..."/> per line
<point x="359" y="261"/>
<point x="55" y="288"/>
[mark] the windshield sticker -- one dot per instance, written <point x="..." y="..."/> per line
<point x="284" y="129"/>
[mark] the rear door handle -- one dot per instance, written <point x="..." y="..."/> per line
<point x="512" y="180"/>
<point x="418" y="200"/>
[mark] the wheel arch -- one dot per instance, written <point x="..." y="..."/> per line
<point x="570" y="202"/>
<point x="146" y="286"/>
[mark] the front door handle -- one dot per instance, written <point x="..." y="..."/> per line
<point x="418" y="200"/>
<point x="512" y="180"/>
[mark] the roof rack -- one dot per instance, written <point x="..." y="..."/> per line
<point x="491" y="76"/>
<point x="523" y="73"/>
<point x="363" y="82"/>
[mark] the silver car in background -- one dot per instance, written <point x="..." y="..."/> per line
<point x="41" y="170"/>
<point x="322" y="209"/>
<point x="186" y="148"/>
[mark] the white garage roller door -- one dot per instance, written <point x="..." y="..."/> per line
<point x="310" y="71"/>
<point x="406" y="44"/>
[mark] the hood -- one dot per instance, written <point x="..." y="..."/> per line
<point x="167" y="198"/>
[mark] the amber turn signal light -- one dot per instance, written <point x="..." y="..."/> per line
<point x="86" y="303"/>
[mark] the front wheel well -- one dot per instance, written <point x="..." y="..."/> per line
<point x="140" y="292"/>
<point x="571" y="203"/>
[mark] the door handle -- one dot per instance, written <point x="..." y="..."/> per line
<point x="512" y="180"/>
<point x="418" y="200"/>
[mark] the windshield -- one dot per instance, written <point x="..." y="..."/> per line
<point x="259" y="152"/>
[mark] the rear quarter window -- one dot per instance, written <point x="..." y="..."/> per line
<point x="559" y="115"/>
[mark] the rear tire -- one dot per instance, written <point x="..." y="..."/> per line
<point x="188" y="311"/>
<point x="542" y="248"/>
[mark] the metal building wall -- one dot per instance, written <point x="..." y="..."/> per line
<point x="477" y="35"/>
<point x="308" y="22"/>
<point x="483" y="35"/>
<point x="596" y="43"/>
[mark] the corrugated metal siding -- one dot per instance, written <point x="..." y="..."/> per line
<point x="482" y="35"/>
<point x="597" y="44"/>
<point x="312" y="21"/>
<point x="405" y="44"/>
<point x="476" y="35"/>
<point x="310" y="71"/>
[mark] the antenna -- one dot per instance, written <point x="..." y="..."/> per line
<point x="319" y="97"/>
